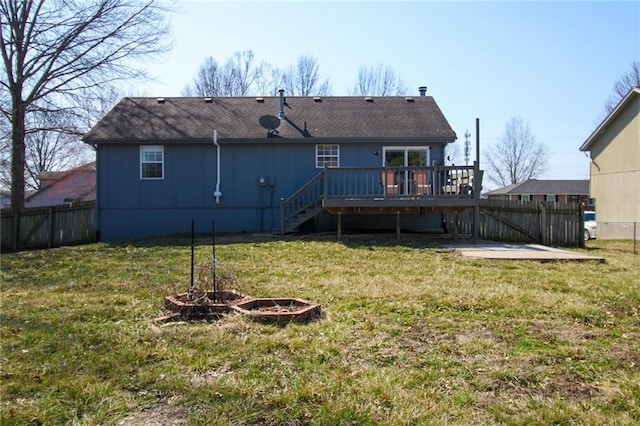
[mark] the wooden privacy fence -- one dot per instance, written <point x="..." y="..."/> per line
<point x="46" y="227"/>
<point x="556" y="224"/>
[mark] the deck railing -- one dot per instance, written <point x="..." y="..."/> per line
<point x="398" y="182"/>
<point x="377" y="183"/>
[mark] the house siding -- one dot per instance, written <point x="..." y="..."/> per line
<point x="130" y="207"/>
<point x="615" y="173"/>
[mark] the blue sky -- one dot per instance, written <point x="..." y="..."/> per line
<point x="551" y="63"/>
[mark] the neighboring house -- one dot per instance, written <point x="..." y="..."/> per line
<point x="614" y="148"/>
<point x="561" y="191"/>
<point x="276" y="164"/>
<point x="71" y="186"/>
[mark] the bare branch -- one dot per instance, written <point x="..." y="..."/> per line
<point x="518" y="155"/>
<point x="304" y="79"/>
<point x="55" y="51"/>
<point x="378" y="81"/>
<point x="623" y="85"/>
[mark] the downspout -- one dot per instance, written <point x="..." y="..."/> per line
<point x="217" y="192"/>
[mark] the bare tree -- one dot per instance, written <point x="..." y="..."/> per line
<point x="5" y="155"/>
<point x="238" y="77"/>
<point x="91" y="109"/>
<point x="270" y="80"/>
<point x="304" y="79"/>
<point x="53" y="147"/>
<point x="623" y="85"/>
<point x="241" y="71"/>
<point x="452" y="154"/>
<point x="378" y="81"/>
<point x="517" y="156"/>
<point x="58" y="51"/>
<point x="208" y="80"/>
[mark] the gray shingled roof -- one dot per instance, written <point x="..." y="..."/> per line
<point x="544" y="187"/>
<point x="193" y="119"/>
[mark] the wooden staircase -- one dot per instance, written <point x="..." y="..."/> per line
<point x="303" y="205"/>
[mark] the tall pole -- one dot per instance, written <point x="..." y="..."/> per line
<point x="191" y="287"/>
<point x="478" y="143"/>
<point x="477" y="186"/>
<point x="214" y="261"/>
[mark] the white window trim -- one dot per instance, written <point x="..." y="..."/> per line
<point x="525" y="197"/>
<point x="318" y="166"/>
<point x="155" y="147"/>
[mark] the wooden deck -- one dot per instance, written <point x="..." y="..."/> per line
<point x="383" y="190"/>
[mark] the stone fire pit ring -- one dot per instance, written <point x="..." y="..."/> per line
<point x="203" y="305"/>
<point x="278" y="310"/>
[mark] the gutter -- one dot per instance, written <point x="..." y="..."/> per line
<point x="217" y="192"/>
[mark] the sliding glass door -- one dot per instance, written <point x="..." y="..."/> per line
<point x="406" y="157"/>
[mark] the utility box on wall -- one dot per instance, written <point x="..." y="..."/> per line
<point x="266" y="181"/>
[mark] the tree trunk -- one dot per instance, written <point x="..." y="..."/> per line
<point x="17" y="155"/>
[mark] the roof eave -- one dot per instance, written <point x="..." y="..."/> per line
<point x="612" y="116"/>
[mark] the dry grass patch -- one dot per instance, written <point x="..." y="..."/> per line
<point x="409" y="335"/>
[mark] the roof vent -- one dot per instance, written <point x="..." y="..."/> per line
<point x="368" y="99"/>
<point x="409" y="99"/>
<point x="260" y="100"/>
<point x="422" y="90"/>
<point x="283" y="102"/>
<point x="317" y="99"/>
<point x="161" y="100"/>
<point x="208" y="100"/>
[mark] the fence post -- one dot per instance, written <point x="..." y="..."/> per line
<point x="51" y="233"/>
<point x="542" y="211"/>
<point x="581" y="227"/>
<point x="16" y="228"/>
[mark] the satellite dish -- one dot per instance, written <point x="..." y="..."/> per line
<point x="269" y="122"/>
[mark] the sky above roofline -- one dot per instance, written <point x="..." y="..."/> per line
<point x="552" y="63"/>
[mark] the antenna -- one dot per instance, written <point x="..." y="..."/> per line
<point x="467" y="147"/>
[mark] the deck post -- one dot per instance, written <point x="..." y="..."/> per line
<point x="339" y="226"/>
<point x="455" y="225"/>
<point x="398" y="224"/>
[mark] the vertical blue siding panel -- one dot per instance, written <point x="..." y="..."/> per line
<point x="135" y="208"/>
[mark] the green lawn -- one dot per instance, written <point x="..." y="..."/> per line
<point x="410" y="334"/>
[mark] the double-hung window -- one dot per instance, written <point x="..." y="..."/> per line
<point x="327" y="156"/>
<point x="151" y="162"/>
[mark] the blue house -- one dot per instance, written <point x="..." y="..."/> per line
<point x="275" y="164"/>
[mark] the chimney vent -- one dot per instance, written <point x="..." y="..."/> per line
<point x="282" y="102"/>
<point x="422" y="90"/>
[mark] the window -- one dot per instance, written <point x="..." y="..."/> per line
<point x="151" y="162"/>
<point x="550" y="198"/>
<point x="525" y="197"/>
<point x="327" y="156"/>
<point x="406" y="156"/>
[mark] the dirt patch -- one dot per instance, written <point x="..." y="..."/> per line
<point x="553" y="331"/>
<point x="165" y="413"/>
